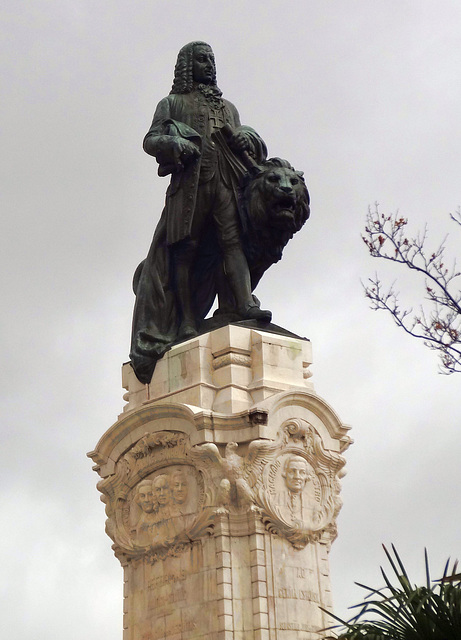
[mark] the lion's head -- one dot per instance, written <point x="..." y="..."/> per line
<point x="277" y="205"/>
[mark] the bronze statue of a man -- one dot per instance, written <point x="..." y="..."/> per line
<point x="202" y="194"/>
<point x="204" y="244"/>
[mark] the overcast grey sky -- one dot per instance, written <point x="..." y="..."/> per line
<point x="365" y="97"/>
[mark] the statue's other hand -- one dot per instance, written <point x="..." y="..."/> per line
<point x="184" y="151"/>
<point x="172" y="153"/>
<point x="239" y="142"/>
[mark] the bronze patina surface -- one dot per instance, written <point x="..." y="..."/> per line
<point x="228" y="214"/>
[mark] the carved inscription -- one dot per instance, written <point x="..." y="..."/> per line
<point x="170" y="578"/>
<point x="170" y="598"/>
<point x="166" y="590"/>
<point x="171" y="630"/>
<point x="176" y="596"/>
<point x="293" y="626"/>
<point x="298" y="594"/>
<point x="161" y="445"/>
<point x="182" y="627"/>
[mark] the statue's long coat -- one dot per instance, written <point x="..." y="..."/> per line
<point x="156" y="318"/>
<point x="188" y="115"/>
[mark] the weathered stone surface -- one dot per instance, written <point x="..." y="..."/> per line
<point x="223" y="519"/>
<point x="227" y="370"/>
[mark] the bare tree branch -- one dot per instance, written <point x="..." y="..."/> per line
<point x="439" y="328"/>
<point x="456" y="216"/>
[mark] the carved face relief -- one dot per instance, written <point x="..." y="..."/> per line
<point x="162" y="489"/>
<point x="296" y="494"/>
<point x="297" y="491"/>
<point x="179" y="487"/>
<point x="164" y="507"/>
<point x="204" y="69"/>
<point x="295" y="473"/>
<point x="145" y="496"/>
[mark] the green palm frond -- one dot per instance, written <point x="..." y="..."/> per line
<point x="402" y="611"/>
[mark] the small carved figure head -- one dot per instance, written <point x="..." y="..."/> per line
<point x="145" y="496"/>
<point x="179" y="487"/>
<point x="296" y="473"/>
<point x="162" y="490"/>
<point x="195" y="63"/>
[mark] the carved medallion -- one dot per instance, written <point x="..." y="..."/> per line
<point x="299" y="488"/>
<point x="156" y="499"/>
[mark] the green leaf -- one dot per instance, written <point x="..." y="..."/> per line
<point x="400" y="611"/>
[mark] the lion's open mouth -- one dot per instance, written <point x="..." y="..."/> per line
<point x="285" y="203"/>
<point x="283" y="213"/>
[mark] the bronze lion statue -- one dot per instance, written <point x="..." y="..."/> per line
<point x="275" y="206"/>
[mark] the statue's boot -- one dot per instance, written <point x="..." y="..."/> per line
<point x="238" y="274"/>
<point x="253" y="312"/>
<point x="187" y="329"/>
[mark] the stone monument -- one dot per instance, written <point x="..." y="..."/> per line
<point x="221" y="476"/>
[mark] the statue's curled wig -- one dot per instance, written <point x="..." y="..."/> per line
<point x="184" y="70"/>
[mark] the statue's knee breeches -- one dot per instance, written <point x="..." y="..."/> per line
<point x="227" y="224"/>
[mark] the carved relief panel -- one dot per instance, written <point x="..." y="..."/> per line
<point x="163" y="506"/>
<point x="155" y="501"/>
<point x="293" y="482"/>
<point x="299" y="488"/>
<point x="165" y="493"/>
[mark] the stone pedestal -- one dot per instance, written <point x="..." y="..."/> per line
<point x="221" y="485"/>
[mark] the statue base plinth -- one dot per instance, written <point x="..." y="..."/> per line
<point x="226" y="370"/>
<point x="221" y="484"/>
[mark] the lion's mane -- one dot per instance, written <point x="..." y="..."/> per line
<point x="266" y="233"/>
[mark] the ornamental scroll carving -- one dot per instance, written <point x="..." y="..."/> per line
<point x="165" y="493"/>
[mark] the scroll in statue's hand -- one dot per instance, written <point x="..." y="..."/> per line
<point x="239" y="142"/>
